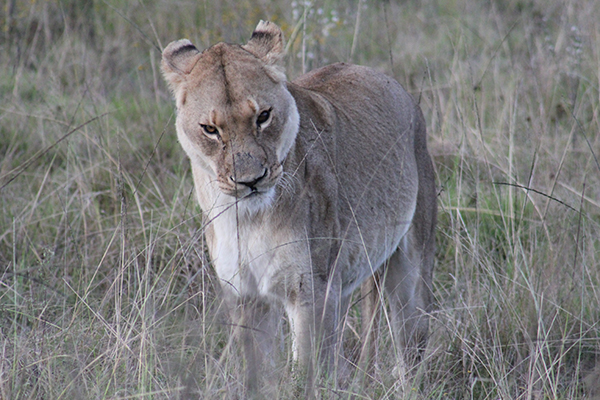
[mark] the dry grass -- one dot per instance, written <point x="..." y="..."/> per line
<point x="105" y="291"/>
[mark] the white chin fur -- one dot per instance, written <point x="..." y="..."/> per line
<point x="251" y="205"/>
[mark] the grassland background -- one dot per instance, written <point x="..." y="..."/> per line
<point x="105" y="292"/>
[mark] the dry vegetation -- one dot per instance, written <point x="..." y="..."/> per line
<point x="105" y="292"/>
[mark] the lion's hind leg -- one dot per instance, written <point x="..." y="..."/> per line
<point x="407" y="282"/>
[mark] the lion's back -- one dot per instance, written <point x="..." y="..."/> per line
<point x="349" y="87"/>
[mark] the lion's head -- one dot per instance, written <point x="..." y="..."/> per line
<point x="236" y="118"/>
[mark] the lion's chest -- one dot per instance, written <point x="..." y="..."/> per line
<point x="256" y="256"/>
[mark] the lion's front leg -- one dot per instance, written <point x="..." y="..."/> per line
<point x="313" y="311"/>
<point x="255" y="324"/>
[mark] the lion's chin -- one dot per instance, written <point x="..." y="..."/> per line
<point x="255" y="201"/>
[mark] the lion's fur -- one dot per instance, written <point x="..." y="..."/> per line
<point x="304" y="208"/>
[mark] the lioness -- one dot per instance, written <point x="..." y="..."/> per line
<point x="307" y="188"/>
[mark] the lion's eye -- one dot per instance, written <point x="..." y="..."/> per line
<point x="263" y="117"/>
<point x="209" y="129"/>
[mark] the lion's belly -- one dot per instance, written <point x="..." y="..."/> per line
<point x="366" y="250"/>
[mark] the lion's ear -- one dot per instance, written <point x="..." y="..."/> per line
<point x="267" y="43"/>
<point x="178" y="60"/>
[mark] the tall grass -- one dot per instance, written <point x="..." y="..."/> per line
<point x="105" y="288"/>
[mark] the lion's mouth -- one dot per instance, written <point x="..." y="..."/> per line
<point x="260" y="189"/>
<point x="253" y="193"/>
<point x="247" y="193"/>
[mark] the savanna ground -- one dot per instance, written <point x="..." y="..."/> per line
<point x="105" y="291"/>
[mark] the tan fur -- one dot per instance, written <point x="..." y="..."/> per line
<point x="306" y="205"/>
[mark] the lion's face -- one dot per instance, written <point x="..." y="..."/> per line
<point x="236" y="118"/>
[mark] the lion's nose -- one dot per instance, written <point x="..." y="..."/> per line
<point x="248" y="170"/>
